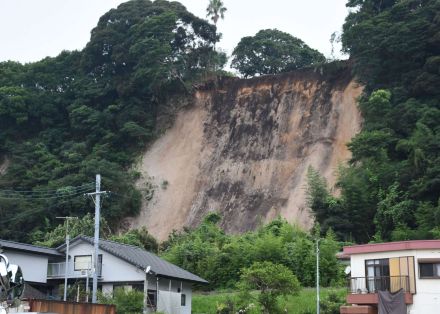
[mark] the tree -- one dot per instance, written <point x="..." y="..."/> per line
<point x="216" y="10"/>
<point x="271" y="280"/>
<point x="271" y="51"/>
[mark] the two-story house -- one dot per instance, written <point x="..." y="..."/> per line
<point x="413" y="266"/>
<point x="169" y="286"/>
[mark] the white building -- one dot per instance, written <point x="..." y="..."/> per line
<point x="121" y="265"/>
<point x="413" y="266"/>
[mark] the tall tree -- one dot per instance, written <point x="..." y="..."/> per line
<point x="272" y="51"/>
<point x="216" y="10"/>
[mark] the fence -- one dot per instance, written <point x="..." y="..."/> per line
<point x="61" y="307"/>
<point x="378" y="283"/>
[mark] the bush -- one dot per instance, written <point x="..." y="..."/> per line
<point x="272" y="281"/>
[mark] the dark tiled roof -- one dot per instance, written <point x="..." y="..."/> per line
<point x="29" y="248"/>
<point x="142" y="259"/>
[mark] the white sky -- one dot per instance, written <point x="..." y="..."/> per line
<point x="33" y="29"/>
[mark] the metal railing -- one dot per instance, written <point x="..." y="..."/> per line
<point x="57" y="270"/>
<point x="360" y="285"/>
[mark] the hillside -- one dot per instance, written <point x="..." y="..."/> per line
<point x="243" y="147"/>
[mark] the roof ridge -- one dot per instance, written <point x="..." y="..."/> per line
<point x="120" y="243"/>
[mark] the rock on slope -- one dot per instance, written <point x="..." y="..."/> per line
<point x="243" y="149"/>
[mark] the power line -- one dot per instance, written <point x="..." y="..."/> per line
<point x="60" y="193"/>
<point x="52" y="191"/>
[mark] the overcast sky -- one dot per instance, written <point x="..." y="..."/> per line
<point x="33" y="29"/>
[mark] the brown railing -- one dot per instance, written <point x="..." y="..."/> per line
<point x="61" y="307"/>
<point x="360" y="285"/>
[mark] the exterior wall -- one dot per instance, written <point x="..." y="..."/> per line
<point x="113" y="268"/>
<point x="427" y="297"/>
<point x="34" y="266"/>
<point x="116" y="271"/>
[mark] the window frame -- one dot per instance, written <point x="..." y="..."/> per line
<point x="432" y="263"/>
<point x="91" y="260"/>
<point x="182" y="299"/>
<point x="80" y="269"/>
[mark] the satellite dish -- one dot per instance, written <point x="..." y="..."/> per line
<point x="347" y="270"/>
<point x="147" y="270"/>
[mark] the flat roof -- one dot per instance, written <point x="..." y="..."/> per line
<point x="392" y="246"/>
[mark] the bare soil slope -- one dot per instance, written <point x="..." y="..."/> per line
<point x="243" y="148"/>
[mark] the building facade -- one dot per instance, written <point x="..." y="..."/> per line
<point x="411" y="266"/>
<point x="120" y="266"/>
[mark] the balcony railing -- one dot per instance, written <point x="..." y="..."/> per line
<point x="57" y="270"/>
<point x="362" y="285"/>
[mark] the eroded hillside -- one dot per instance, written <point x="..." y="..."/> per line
<point x="243" y="148"/>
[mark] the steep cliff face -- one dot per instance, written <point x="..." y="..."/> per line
<point x="243" y="148"/>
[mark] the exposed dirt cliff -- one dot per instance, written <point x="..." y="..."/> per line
<point x="243" y="148"/>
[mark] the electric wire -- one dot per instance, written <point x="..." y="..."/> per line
<point x="59" y="193"/>
<point x="51" y="191"/>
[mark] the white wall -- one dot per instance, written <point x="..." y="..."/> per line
<point x="427" y="297"/>
<point x="114" y="269"/>
<point x="34" y="266"/>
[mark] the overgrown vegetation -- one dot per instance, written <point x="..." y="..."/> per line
<point x="393" y="177"/>
<point x="220" y="258"/>
<point x="303" y="303"/>
<point x="64" y="119"/>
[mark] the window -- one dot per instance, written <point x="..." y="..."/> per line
<point x="151" y="298"/>
<point x="182" y="300"/>
<point x="378" y="274"/>
<point x="429" y="269"/>
<point x="84" y="262"/>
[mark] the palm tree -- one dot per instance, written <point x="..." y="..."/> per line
<point x="216" y="10"/>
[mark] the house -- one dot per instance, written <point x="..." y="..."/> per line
<point x="120" y="265"/>
<point x="413" y="266"/>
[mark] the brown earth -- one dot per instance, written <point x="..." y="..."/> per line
<point x="243" y="148"/>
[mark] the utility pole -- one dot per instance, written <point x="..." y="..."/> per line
<point x="97" y="200"/>
<point x="66" y="269"/>
<point x="317" y="276"/>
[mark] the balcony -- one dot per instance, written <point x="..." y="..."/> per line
<point x="363" y="290"/>
<point x="57" y="270"/>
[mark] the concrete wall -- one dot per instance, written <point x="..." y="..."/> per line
<point x="427" y="297"/>
<point x="34" y="266"/>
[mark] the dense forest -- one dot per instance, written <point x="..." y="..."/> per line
<point x="64" y="119"/>
<point x="391" y="188"/>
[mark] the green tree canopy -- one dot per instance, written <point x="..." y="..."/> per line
<point x="64" y="119"/>
<point x="272" y="281"/>
<point x="272" y="51"/>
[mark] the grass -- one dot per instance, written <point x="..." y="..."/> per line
<point x="305" y="301"/>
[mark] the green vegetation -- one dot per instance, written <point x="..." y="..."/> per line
<point x="126" y="301"/>
<point x="220" y="258"/>
<point x="393" y="177"/>
<point x="272" y="281"/>
<point x="303" y="303"/>
<point x="64" y="119"/>
<point x="271" y="51"/>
